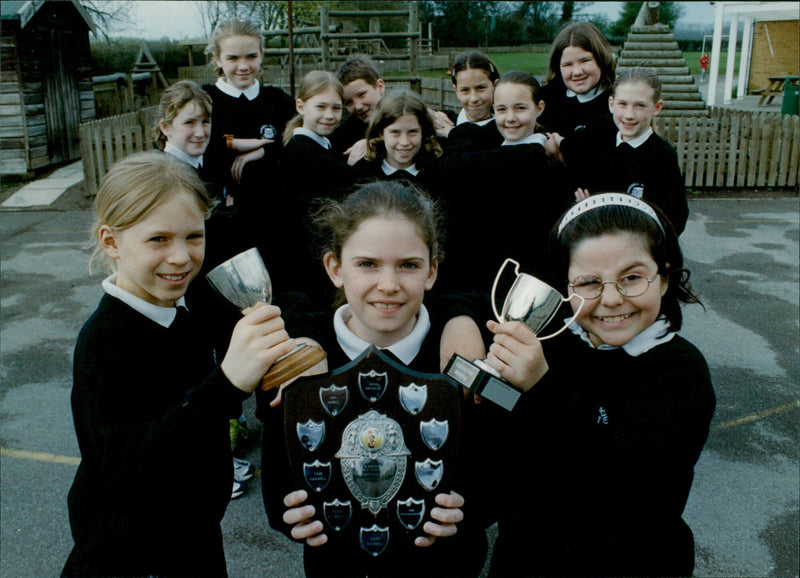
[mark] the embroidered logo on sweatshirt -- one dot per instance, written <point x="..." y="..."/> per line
<point x="602" y="416"/>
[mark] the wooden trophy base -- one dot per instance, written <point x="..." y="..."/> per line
<point x="292" y="365"/>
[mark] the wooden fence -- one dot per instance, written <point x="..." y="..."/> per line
<point x="105" y="141"/>
<point x="734" y="149"/>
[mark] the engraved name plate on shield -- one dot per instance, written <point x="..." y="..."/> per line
<point x="373" y="442"/>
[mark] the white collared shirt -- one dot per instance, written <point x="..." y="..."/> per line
<point x="405" y="350"/>
<point x="535" y="138"/>
<point x="181" y="154"/>
<point x="462" y="118"/>
<point x="586" y="96"/>
<point x="638" y="141"/>
<point x="654" y="335"/>
<point x="319" y="139"/>
<point x="389" y="169"/>
<point x="162" y="315"/>
<point x="251" y="92"/>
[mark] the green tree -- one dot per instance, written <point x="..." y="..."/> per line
<point x="460" y="23"/>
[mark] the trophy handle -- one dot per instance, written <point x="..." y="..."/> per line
<point x="568" y="323"/>
<point x="497" y="280"/>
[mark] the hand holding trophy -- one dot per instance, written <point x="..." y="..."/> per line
<point x="530" y="301"/>
<point x="244" y="281"/>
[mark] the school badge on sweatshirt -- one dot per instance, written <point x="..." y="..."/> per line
<point x="268" y="131"/>
<point x="373" y="442"/>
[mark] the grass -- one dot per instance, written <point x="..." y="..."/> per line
<point x="537" y="63"/>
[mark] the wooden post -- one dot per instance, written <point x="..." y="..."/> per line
<point x="291" y="47"/>
<point x="413" y="25"/>
<point x="324" y="24"/>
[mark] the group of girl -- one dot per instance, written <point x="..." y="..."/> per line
<point x="589" y="474"/>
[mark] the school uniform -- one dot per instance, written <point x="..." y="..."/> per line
<point x="610" y="437"/>
<point x="460" y="555"/>
<point x="424" y="177"/>
<point x="645" y="167"/>
<point x="468" y="136"/>
<point x="255" y="113"/>
<point x="147" y="399"/>
<point x="351" y="130"/>
<point x="499" y="204"/>
<point x="565" y="111"/>
<point x="311" y="172"/>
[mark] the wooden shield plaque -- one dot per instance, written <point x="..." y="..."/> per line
<point x="373" y="442"/>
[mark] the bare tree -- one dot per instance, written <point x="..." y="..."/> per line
<point x="108" y="16"/>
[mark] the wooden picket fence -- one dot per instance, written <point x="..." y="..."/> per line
<point x="733" y="149"/>
<point x="728" y="149"/>
<point x="105" y="141"/>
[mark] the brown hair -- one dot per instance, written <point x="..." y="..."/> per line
<point x="641" y="74"/>
<point x="474" y="60"/>
<point x="172" y="102"/>
<point x="227" y="29"/>
<point x="586" y="36"/>
<point x="392" y="106"/>
<point x="359" y="67"/>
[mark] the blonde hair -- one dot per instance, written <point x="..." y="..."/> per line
<point x="136" y="186"/>
<point x="392" y="106"/>
<point x="228" y="29"/>
<point x="313" y="83"/>
<point x="172" y="102"/>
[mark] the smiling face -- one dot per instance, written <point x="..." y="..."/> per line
<point x="385" y="270"/>
<point x="633" y="108"/>
<point x="475" y="91"/>
<point x="240" y="60"/>
<point x="189" y="130"/>
<point x="403" y="140"/>
<point x="361" y="98"/>
<point x="159" y="256"/>
<point x="322" y="112"/>
<point x="515" y="112"/>
<point x="579" y="70"/>
<point x="614" y="319"/>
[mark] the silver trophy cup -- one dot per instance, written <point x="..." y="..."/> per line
<point x="530" y="301"/>
<point x="244" y="281"/>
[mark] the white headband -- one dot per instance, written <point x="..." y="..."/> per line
<point x="604" y="200"/>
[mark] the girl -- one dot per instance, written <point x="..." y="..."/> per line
<point x="514" y="188"/>
<point x="401" y="140"/>
<point x="474" y="76"/>
<point x="182" y="129"/>
<point x="147" y="397"/>
<point x="381" y="249"/>
<point x="183" y="125"/>
<point x="247" y="122"/>
<point x="311" y="170"/>
<point x="630" y="157"/>
<point x="620" y="419"/>
<point x="579" y="79"/>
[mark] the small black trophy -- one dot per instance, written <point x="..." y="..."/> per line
<point x="373" y="442"/>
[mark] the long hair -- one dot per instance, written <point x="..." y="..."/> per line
<point x="227" y="29"/>
<point x="313" y="83"/>
<point x="172" y="102"/>
<point x="588" y="37"/>
<point x="392" y="106"/>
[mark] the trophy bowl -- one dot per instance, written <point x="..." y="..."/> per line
<point x="244" y="281"/>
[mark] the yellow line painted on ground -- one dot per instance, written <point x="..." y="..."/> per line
<point x="757" y="416"/>
<point x="39" y="456"/>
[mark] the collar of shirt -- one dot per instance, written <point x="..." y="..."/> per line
<point x="535" y="138"/>
<point x="389" y="169"/>
<point x="320" y="140"/>
<point x="462" y="118"/>
<point x="586" y="96"/>
<point x="164" y="316"/>
<point x="181" y="154"/>
<point x="250" y="93"/>
<point x="654" y="335"/>
<point x="405" y="350"/>
<point x="638" y="141"/>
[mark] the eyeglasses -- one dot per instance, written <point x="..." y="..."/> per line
<point x="631" y="285"/>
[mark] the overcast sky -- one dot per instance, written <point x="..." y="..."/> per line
<point x="179" y="20"/>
